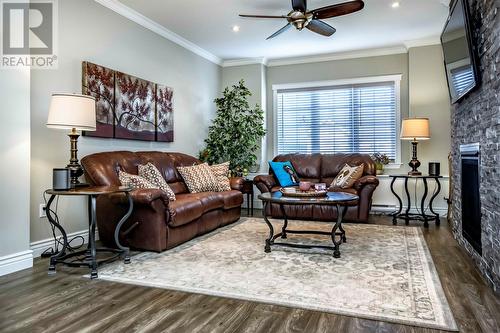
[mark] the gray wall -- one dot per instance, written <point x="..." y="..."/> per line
<point x="476" y="118"/>
<point x="15" y="161"/>
<point x="334" y="70"/>
<point x="88" y="31"/>
<point x="423" y="94"/>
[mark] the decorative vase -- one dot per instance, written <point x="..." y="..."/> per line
<point x="379" y="168"/>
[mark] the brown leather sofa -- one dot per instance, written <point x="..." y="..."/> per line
<point x="157" y="224"/>
<point x="322" y="168"/>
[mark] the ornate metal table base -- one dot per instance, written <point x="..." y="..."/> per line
<point x="337" y="232"/>
<point x="407" y="216"/>
<point x="74" y="259"/>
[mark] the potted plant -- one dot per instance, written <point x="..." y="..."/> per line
<point x="380" y="160"/>
<point x="236" y="131"/>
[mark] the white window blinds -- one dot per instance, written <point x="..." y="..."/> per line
<point x="462" y="78"/>
<point x="338" y="119"/>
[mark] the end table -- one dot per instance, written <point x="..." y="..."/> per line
<point x="90" y="254"/>
<point x="422" y="216"/>
<point x="248" y="190"/>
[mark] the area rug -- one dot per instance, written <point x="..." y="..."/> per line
<point x="385" y="273"/>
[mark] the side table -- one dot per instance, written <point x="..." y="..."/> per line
<point x="407" y="216"/>
<point x="90" y="254"/>
<point x="248" y="190"/>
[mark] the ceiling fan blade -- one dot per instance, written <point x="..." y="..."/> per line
<point x="285" y="28"/>
<point x="321" y="28"/>
<point x="338" y="9"/>
<point x="265" y="16"/>
<point x="300" y="5"/>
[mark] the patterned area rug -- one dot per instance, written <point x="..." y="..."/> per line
<point x="385" y="273"/>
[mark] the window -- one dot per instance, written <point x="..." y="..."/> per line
<point x="462" y="78"/>
<point x="339" y="117"/>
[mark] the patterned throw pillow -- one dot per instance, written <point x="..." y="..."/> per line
<point x="134" y="181"/>
<point x="348" y="176"/>
<point x="199" y="178"/>
<point x="220" y="172"/>
<point x="151" y="173"/>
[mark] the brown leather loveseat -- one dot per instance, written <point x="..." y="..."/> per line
<point x="157" y="224"/>
<point x="322" y="168"/>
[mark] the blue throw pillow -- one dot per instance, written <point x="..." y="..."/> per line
<point x="285" y="173"/>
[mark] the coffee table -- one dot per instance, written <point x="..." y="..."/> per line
<point x="340" y="200"/>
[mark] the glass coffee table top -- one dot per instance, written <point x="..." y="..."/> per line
<point x="332" y="198"/>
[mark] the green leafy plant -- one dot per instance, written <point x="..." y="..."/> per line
<point x="236" y="131"/>
<point x="380" y="160"/>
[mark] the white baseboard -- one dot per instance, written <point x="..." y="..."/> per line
<point x="16" y="262"/>
<point x="442" y="211"/>
<point x="40" y="246"/>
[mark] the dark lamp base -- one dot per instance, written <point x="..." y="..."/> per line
<point x="414" y="173"/>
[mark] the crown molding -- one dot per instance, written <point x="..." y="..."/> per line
<point x="338" y="56"/>
<point x="244" y="62"/>
<point x="433" y="40"/>
<point x="147" y="23"/>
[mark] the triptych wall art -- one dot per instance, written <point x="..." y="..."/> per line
<point x="128" y="107"/>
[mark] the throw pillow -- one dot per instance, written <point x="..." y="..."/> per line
<point x="198" y="178"/>
<point x="220" y="172"/>
<point x="348" y="176"/>
<point x="134" y="181"/>
<point x="285" y="173"/>
<point x="151" y="173"/>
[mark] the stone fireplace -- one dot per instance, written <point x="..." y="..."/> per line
<point x="476" y="119"/>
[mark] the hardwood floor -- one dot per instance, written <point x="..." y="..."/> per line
<point x="32" y="301"/>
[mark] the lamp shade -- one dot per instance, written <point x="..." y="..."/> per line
<point x="68" y="111"/>
<point x="415" y="129"/>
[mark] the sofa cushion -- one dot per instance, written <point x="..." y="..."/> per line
<point x="199" y="178"/>
<point x="151" y="173"/>
<point x="232" y="199"/>
<point x="184" y="210"/>
<point x="221" y="172"/>
<point x="134" y="181"/>
<point x="348" y="176"/>
<point x="190" y="206"/>
<point x="285" y="173"/>
<point x="307" y="166"/>
<point x="210" y="200"/>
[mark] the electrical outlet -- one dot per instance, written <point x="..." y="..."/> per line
<point x="42" y="211"/>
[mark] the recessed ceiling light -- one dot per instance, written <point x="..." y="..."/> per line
<point x="395" y="4"/>
<point x="236" y="28"/>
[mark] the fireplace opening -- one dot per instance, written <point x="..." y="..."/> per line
<point x="471" y="204"/>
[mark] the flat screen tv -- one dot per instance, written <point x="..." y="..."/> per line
<point x="458" y="50"/>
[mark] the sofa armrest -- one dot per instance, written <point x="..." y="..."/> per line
<point x="365" y="180"/>
<point x="236" y="183"/>
<point x="143" y="196"/>
<point x="264" y="183"/>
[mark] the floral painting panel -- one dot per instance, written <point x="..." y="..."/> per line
<point x="99" y="82"/>
<point x="135" y="108"/>
<point x="164" y="114"/>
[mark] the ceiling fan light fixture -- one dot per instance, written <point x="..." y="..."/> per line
<point x="235" y="28"/>
<point x="395" y="4"/>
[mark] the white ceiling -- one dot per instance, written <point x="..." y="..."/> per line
<point x="208" y="24"/>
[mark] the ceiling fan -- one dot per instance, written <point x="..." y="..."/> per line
<point x="301" y="18"/>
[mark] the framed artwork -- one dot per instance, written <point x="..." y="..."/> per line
<point x="99" y="82"/>
<point x="134" y="108"/>
<point x="164" y="114"/>
<point x="128" y="107"/>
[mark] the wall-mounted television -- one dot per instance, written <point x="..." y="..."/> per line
<point x="459" y="53"/>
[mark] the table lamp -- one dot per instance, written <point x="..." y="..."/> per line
<point x="415" y="129"/>
<point x="74" y="112"/>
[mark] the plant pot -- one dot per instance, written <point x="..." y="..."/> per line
<point x="379" y="171"/>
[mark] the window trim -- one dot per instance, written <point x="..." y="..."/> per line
<point x="396" y="78"/>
